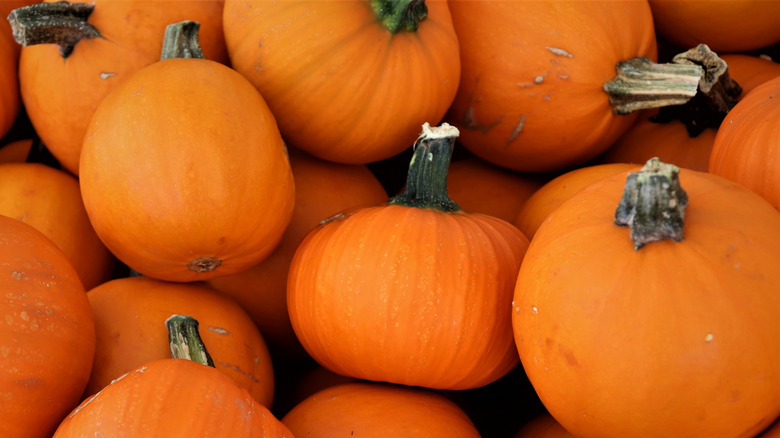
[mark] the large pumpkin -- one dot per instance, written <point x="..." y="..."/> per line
<point x="348" y="81"/>
<point x="415" y="291"/>
<point x="530" y="95"/>
<point x="184" y="173"/>
<point x="680" y="337"/>
<point x="86" y="48"/>
<point x="47" y="335"/>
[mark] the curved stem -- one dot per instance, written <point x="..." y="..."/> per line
<point x="400" y="15"/>
<point x="61" y="23"/>
<point x="181" y="41"/>
<point x="426" y="182"/>
<point x="653" y="204"/>
<point x="185" y="340"/>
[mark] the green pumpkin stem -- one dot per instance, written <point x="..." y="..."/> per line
<point x="181" y="41"/>
<point x="185" y="340"/>
<point x="653" y="204"/>
<point x="400" y="15"/>
<point x="717" y="94"/>
<point x="426" y="181"/>
<point x="60" y="23"/>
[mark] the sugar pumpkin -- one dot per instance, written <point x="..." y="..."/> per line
<point x="677" y="338"/>
<point x="184" y="174"/>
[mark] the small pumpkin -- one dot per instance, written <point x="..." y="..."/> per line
<point x="130" y="318"/>
<point x="348" y="81"/>
<point x="92" y="46"/>
<point x="178" y="396"/>
<point x="9" y="80"/>
<point x="15" y="151"/>
<point x="677" y="338"/>
<point x="374" y="409"/>
<point x="415" y="291"/>
<point x="543" y="426"/>
<point x="183" y="171"/>
<point x="747" y="146"/>
<point x="47" y="336"/>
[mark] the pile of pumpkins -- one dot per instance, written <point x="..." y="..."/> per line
<point x="429" y="218"/>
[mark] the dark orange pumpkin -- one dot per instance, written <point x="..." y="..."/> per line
<point x="677" y="338"/>
<point x="322" y="189"/>
<point x="530" y="95"/>
<point x="348" y="81"/>
<point x="747" y="146"/>
<point x="378" y="410"/>
<point x="543" y="426"/>
<point x="47" y="335"/>
<point x="15" y="151"/>
<point x="62" y="83"/>
<point x="130" y="318"/>
<point x="180" y="396"/>
<point x="184" y="173"/>
<point x="9" y="78"/>
<point x="50" y="200"/>
<point x="415" y="291"/>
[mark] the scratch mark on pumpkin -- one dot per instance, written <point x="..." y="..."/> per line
<point x="559" y="52"/>
<point x="516" y="130"/>
<point x="220" y="331"/>
<point x="238" y="369"/>
<point x="106" y="74"/>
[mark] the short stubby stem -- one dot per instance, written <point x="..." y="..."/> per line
<point x="61" y="23"/>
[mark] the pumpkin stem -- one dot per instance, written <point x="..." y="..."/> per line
<point x="61" y="23"/>
<point x="400" y="15"/>
<point x="717" y="93"/>
<point x="181" y="41"/>
<point x="185" y="340"/>
<point x="426" y="182"/>
<point x="653" y="204"/>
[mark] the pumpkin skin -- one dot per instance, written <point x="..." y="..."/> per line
<point x="724" y="25"/>
<point x="172" y="398"/>
<point x="179" y="193"/>
<point x="674" y="339"/>
<point x="47" y="337"/>
<point x="9" y="79"/>
<point x="530" y="96"/>
<point x="378" y="410"/>
<point x="333" y="75"/>
<point x="543" y="426"/>
<point x="322" y="189"/>
<point x="50" y="200"/>
<point x="130" y="316"/>
<point x="133" y="33"/>
<point x="554" y="192"/>
<point x="15" y="151"/>
<point x="747" y="146"/>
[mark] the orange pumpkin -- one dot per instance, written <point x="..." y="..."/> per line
<point x="747" y="146"/>
<point x="47" y="337"/>
<point x="350" y="81"/>
<point x="178" y="396"/>
<point x="184" y="173"/>
<point x="50" y="200"/>
<point x="677" y="338"/>
<point x="553" y="193"/>
<point x="9" y="80"/>
<point x="62" y="83"/>
<point x="15" y="151"/>
<point x="129" y="320"/>
<point x="724" y="25"/>
<point x="322" y="189"/>
<point x="415" y="291"/>
<point x="543" y="426"/>
<point x="530" y="95"/>
<point x="378" y="410"/>
<point x="481" y="187"/>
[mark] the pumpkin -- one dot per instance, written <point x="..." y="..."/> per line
<point x="553" y="193"/>
<point x="481" y="187"/>
<point x="378" y="410"/>
<point x="530" y="96"/>
<point x="129" y="320"/>
<point x="773" y="431"/>
<point x="676" y="141"/>
<point x="179" y="396"/>
<point x="667" y="328"/>
<point x="543" y="426"/>
<point x="747" y="146"/>
<point x="47" y="338"/>
<point x="15" y="151"/>
<point x="414" y="291"/>
<point x="50" y="200"/>
<point x="322" y="189"/>
<point x="724" y="25"/>
<point x="349" y="82"/>
<point x="183" y="170"/>
<point x="93" y="46"/>
<point x="9" y="81"/>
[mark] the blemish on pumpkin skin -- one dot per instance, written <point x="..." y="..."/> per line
<point x="105" y="75"/>
<point x="238" y="369"/>
<point x="559" y="52"/>
<point x="220" y="331"/>
<point x="516" y="130"/>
